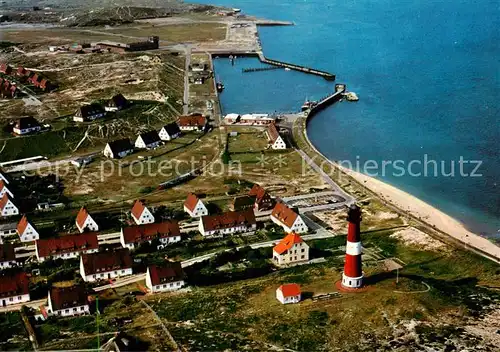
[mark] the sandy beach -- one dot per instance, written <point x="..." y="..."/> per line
<point x="426" y="212"/>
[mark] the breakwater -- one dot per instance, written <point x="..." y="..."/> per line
<point x="326" y="75"/>
<point x="327" y="101"/>
<point x="258" y="69"/>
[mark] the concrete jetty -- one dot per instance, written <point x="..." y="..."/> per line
<point x="328" y="100"/>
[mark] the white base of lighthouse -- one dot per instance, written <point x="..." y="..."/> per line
<point x="352" y="282"/>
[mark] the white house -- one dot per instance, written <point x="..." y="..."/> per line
<point x="194" y="206"/>
<point x="89" y="113"/>
<point x="67" y="301"/>
<point x="290" y="250"/>
<point x="148" y="140"/>
<point x="118" y="149"/>
<point x="4" y="190"/>
<point x="285" y="217"/>
<point x="228" y="223"/>
<point x="7" y="206"/>
<point x="169" y="132"/>
<point x="105" y="265"/>
<point x="276" y="141"/>
<point x="14" y="289"/>
<point x="7" y="256"/>
<point x="26" y="125"/>
<point x="26" y="230"/>
<point x="85" y="222"/>
<point x="168" y="277"/>
<point x="141" y="214"/>
<point x="66" y="247"/>
<point x="288" y="293"/>
<point x="166" y="232"/>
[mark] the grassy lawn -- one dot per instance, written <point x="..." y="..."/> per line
<point x="13" y="336"/>
<point x="247" y="142"/>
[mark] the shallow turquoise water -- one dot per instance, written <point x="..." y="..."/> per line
<point x="427" y="74"/>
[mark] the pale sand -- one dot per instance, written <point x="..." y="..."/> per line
<point x="424" y="211"/>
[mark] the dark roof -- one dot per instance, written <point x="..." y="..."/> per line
<point x="7" y="253"/>
<point x="172" y="128"/>
<point x="243" y="202"/>
<point x="26" y="122"/>
<point x="96" y="263"/>
<point x="91" y="110"/>
<point x="14" y="284"/>
<point x="120" y="145"/>
<point x="168" y="272"/>
<point x="228" y="220"/>
<point x="148" y="232"/>
<point x="150" y="137"/>
<point x="118" y="101"/>
<point x="68" y="297"/>
<point x="67" y="244"/>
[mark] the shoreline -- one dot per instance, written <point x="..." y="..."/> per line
<point x="418" y="209"/>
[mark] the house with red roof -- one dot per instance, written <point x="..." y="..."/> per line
<point x="26" y="230"/>
<point x="66" y="247"/>
<point x="14" y="289"/>
<point x="5" y="69"/>
<point x="85" y="222"/>
<point x="67" y="301"/>
<point x="194" y="122"/>
<point x="275" y="140"/>
<point x="194" y="206"/>
<point x="168" y="277"/>
<point x="288" y="293"/>
<point x="141" y="214"/>
<point x="290" y="250"/>
<point x="7" y="206"/>
<point x="263" y="200"/>
<point x="166" y="232"/>
<point x="105" y="265"/>
<point x="228" y="223"/>
<point x="287" y="218"/>
<point x="7" y="256"/>
<point x="4" y="190"/>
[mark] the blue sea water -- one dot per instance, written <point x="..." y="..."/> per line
<point x="428" y="77"/>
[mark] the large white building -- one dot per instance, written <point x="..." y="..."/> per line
<point x="290" y="250"/>
<point x="26" y="230"/>
<point x="67" y="301"/>
<point x="85" y="222"/>
<point x="228" y="223"/>
<point x="166" y="233"/>
<point x="194" y="206"/>
<point x="141" y="214"/>
<point x="14" y="289"/>
<point x="105" y="265"/>
<point x="287" y="218"/>
<point x="66" y="247"/>
<point x="288" y="293"/>
<point x="168" y="277"/>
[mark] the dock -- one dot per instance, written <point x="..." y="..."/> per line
<point x="258" y="69"/>
<point x="328" y="100"/>
<point x="326" y="75"/>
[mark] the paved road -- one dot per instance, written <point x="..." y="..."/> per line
<point x="185" y="107"/>
<point x="14" y="307"/>
<point x="122" y="282"/>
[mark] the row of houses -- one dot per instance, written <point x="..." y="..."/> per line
<point x="152" y="139"/>
<point x="74" y="300"/>
<point x="8" y="89"/>
<point x="30" y="77"/>
<point x="94" y="111"/>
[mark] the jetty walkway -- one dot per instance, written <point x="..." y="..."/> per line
<point x="326" y="75"/>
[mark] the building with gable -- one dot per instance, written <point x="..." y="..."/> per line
<point x="141" y="214"/>
<point x="105" y="265"/>
<point x="228" y="223"/>
<point x="66" y="247"/>
<point x="194" y="206"/>
<point x="287" y="218"/>
<point x="169" y="132"/>
<point x="14" y="289"/>
<point x="290" y="250"/>
<point x="7" y="206"/>
<point x="166" y="232"/>
<point x="288" y="293"/>
<point x="85" y="222"/>
<point x="168" y="277"/>
<point x="26" y="230"/>
<point x="67" y="301"/>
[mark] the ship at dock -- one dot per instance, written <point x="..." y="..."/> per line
<point x="219" y="86"/>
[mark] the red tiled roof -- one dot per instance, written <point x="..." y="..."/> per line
<point x="4" y="200"/>
<point x="192" y="120"/>
<point x="290" y="290"/>
<point x="169" y="272"/>
<point x="287" y="243"/>
<point x="228" y="220"/>
<point x="137" y="209"/>
<point x="67" y="244"/>
<point x="2" y="185"/>
<point x="273" y="132"/>
<point x="82" y="216"/>
<point x="68" y="297"/>
<point x="284" y="214"/>
<point x="260" y="194"/>
<point x="14" y="285"/>
<point x="191" y="201"/>
<point x="96" y="263"/>
<point x="7" y="253"/>
<point x="148" y="232"/>
<point x="22" y="225"/>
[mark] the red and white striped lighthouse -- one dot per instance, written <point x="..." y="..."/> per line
<point x="352" y="277"/>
